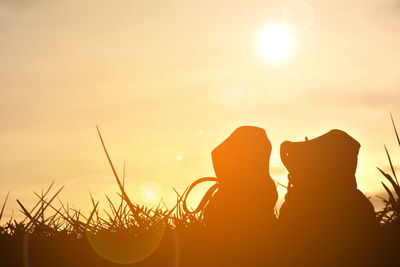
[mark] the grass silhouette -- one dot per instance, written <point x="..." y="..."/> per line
<point x="391" y="211"/>
<point x="54" y="234"/>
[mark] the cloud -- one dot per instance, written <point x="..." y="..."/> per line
<point x="389" y="7"/>
<point x="387" y="14"/>
<point x="393" y="5"/>
<point x="384" y="99"/>
<point x="19" y="3"/>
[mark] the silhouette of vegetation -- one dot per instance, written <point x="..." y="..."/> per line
<point x="389" y="216"/>
<point x="54" y="234"/>
<point x="391" y="212"/>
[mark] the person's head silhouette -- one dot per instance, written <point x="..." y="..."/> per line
<point x="240" y="216"/>
<point x="325" y="164"/>
<point x="322" y="205"/>
<point x="241" y="164"/>
<point x="242" y="160"/>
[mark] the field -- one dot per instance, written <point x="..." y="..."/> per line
<point x="53" y="234"/>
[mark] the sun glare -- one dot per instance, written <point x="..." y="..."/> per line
<point x="149" y="194"/>
<point x="275" y="43"/>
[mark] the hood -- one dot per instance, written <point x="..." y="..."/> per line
<point x="330" y="160"/>
<point x="243" y="155"/>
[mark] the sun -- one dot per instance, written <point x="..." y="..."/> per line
<point x="275" y="43"/>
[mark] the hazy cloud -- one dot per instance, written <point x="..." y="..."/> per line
<point x="387" y="14"/>
<point x="393" y="5"/>
<point x="385" y="99"/>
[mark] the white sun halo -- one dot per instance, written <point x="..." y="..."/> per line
<point x="275" y="42"/>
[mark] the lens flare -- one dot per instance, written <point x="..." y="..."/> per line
<point x="299" y="15"/>
<point x="128" y="245"/>
<point x="151" y="193"/>
<point x="26" y="249"/>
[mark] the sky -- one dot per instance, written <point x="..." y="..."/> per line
<point x="167" y="81"/>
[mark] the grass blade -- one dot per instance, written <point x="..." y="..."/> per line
<point x="4" y="205"/>
<point x="390" y="179"/>
<point x="391" y="165"/>
<point x="120" y="185"/>
<point x="91" y="215"/>
<point x="395" y="130"/>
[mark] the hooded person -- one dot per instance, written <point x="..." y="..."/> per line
<point x="246" y="190"/>
<point x="324" y="212"/>
<point x="239" y="209"/>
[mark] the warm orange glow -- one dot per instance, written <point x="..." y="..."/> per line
<point x="230" y="131"/>
<point x="167" y="84"/>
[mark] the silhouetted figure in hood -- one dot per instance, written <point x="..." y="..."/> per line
<point x="325" y="218"/>
<point x="245" y="188"/>
<point x="239" y="215"/>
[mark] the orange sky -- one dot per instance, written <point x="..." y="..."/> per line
<point x="169" y="80"/>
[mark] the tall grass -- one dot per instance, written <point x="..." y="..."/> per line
<point x="391" y="211"/>
<point x="124" y="214"/>
<point x="120" y="215"/>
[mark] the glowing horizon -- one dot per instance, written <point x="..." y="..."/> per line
<point x="169" y="82"/>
